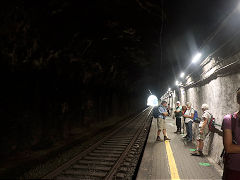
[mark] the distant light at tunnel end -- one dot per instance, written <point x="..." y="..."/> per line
<point x="152" y="101"/>
<point x="196" y="57"/>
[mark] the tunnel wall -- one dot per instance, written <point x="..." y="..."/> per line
<point x="215" y="84"/>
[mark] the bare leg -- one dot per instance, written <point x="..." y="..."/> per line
<point x="200" y="145"/>
<point x="165" y="135"/>
<point x="164" y="132"/>
<point x="198" y="151"/>
<point x="158" y="133"/>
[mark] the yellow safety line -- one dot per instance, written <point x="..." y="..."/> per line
<point x="171" y="161"/>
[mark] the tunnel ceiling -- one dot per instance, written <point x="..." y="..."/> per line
<point x="137" y="44"/>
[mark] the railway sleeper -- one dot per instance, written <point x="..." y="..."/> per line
<point x="112" y="159"/>
<point x="120" y="140"/>
<point x="117" y="143"/>
<point x="107" y="151"/>
<point x="94" y="154"/>
<point x="80" y="162"/>
<point x="90" y="167"/>
<point x="82" y="174"/>
<point x="111" y="148"/>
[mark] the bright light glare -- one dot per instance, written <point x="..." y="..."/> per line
<point x="209" y="73"/>
<point x="169" y="89"/>
<point x="238" y="6"/>
<point x="152" y="101"/>
<point x="196" y="57"/>
<point x="182" y="75"/>
<point x="177" y="83"/>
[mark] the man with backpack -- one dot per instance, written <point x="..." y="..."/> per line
<point x="203" y="130"/>
<point x="155" y="112"/>
<point x="161" y="121"/>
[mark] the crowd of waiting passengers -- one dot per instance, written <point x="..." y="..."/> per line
<point x="230" y="127"/>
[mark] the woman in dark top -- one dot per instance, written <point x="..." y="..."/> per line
<point x="231" y="142"/>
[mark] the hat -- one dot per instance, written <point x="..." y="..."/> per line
<point x="163" y="102"/>
<point x="178" y="102"/>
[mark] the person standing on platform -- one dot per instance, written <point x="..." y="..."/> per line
<point x="203" y="130"/>
<point x="231" y="142"/>
<point x="189" y="114"/>
<point x="184" y="108"/>
<point x="168" y="109"/>
<point x="178" y="115"/>
<point x="161" y="121"/>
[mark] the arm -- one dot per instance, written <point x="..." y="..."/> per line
<point x="227" y="142"/>
<point x="165" y="113"/>
<point x="187" y="116"/>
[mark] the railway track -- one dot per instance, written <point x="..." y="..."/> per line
<point x="109" y="158"/>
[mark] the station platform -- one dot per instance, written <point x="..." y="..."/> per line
<point x="172" y="159"/>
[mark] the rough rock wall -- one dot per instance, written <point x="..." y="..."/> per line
<point x="216" y="86"/>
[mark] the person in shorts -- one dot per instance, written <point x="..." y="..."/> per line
<point x="231" y="143"/>
<point x="203" y="130"/>
<point x="161" y="121"/>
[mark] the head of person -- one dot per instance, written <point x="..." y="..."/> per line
<point x="238" y="96"/>
<point x="164" y="103"/>
<point x="188" y="105"/>
<point x="184" y="107"/>
<point x="178" y="103"/>
<point x="205" y="107"/>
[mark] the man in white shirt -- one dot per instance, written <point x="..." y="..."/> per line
<point x="203" y="130"/>
<point x="189" y="114"/>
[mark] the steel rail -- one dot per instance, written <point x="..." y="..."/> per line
<point x="123" y="155"/>
<point x="82" y="154"/>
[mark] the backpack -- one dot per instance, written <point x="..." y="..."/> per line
<point x="195" y="117"/>
<point x="211" y="124"/>
<point x="156" y="112"/>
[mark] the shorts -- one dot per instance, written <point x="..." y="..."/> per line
<point x="161" y="124"/>
<point x="203" y="135"/>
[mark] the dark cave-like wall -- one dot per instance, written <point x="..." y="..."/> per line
<point x="68" y="64"/>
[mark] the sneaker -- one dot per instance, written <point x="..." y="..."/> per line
<point x="176" y="132"/>
<point x="166" y="138"/>
<point x="197" y="153"/>
<point x="185" y="137"/>
<point x="189" y="140"/>
<point x="159" y="139"/>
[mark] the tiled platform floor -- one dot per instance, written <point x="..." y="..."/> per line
<point x="154" y="164"/>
